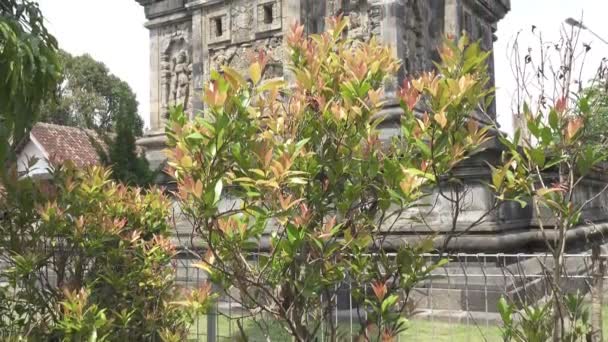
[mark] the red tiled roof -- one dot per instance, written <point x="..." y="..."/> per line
<point x="63" y="143"/>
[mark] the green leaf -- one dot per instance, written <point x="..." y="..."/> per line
<point x="271" y="84"/>
<point x="301" y="144"/>
<point x="424" y="148"/>
<point x="292" y="233"/>
<point x="533" y="128"/>
<point x="583" y="105"/>
<point x="298" y="180"/>
<point x="545" y="191"/>
<point x="498" y="176"/>
<point x="537" y="155"/>
<point x="553" y="119"/>
<point x="93" y="337"/>
<point x="418" y="172"/>
<point x="389" y="302"/>
<point x="195" y="136"/>
<point x="234" y="76"/>
<point x="505" y="311"/>
<point x="442" y="262"/>
<point x="255" y="72"/>
<point x="546" y="136"/>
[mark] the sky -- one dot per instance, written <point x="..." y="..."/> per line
<point x="112" y="31"/>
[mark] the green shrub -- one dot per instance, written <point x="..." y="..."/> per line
<point x="87" y="257"/>
<point x="314" y="187"/>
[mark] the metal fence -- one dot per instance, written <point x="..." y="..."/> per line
<point x="459" y="303"/>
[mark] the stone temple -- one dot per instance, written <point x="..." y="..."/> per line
<point x="189" y="38"/>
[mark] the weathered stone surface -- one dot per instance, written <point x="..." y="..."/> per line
<point x="171" y="71"/>
<point x="239" y="56"/>
<point x="189" y="38"/>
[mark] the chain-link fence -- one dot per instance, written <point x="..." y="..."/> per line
<point x="459" y="303"/>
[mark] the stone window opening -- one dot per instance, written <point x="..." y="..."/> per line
<point x="219" y="29"/>
<point x="268" y="15"/>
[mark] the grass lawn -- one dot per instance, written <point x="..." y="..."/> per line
<point x="418" y="330"/>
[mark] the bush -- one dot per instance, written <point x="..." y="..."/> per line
<point x="290" y="188"/>
<point x="87" y="257"/>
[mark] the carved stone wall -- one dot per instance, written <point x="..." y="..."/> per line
<point x="189" y="38"/>
<point x="171" y="74"/>
<point x="422" y="35"/>
<point x="239" y="56"/>
<point x="175" y="68"/>
<point x="252" y="26"/>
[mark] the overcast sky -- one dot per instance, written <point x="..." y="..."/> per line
<point x="112" y="32"/>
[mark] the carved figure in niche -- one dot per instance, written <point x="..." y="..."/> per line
<point x="180" y="80"/>
<point x="165" y="77"/>
<point x="175" y="71"/>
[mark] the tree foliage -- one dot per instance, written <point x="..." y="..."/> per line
<point x="128" y="166"/>
<point x="597" y="126"/>
<point x="29" y="67"/>
<point x="290" y="187"/>
<point x="88" y="259"/>
<point x="89" y="96"/>
<point x="553" y="164"/>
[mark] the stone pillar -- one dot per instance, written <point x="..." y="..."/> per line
<point x="452" y="17"/>
<point x="198" y="34"/>
<point x="155" y="86"/>
<point x="389" y="15"/>
<point x="171" y="70"/>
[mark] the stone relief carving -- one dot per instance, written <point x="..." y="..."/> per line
<point x="175" y="71"/>
<point x="242" y="20"/>
<point x="239" y="57"/>
<point x="359" y="25"/>
<point x="419" y="36"/>
<point x="221" y="57"/>
<point x="375" y="19"/>
<point x="181" y="77"/>
<point x="359" y="15"/>
<point x="359" y="18"/>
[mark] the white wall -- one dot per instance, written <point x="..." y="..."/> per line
<point x="32" y="150"/>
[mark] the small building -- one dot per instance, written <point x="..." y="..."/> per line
<point x="49" y="142"/>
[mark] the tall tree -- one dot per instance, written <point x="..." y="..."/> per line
<point x="91" y="97"/>
<point x="127" y="165"/>
<point x="29" y="70"/>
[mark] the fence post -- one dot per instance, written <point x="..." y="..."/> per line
<point x="212" y="319"/>
<point x="597" y="292"/>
